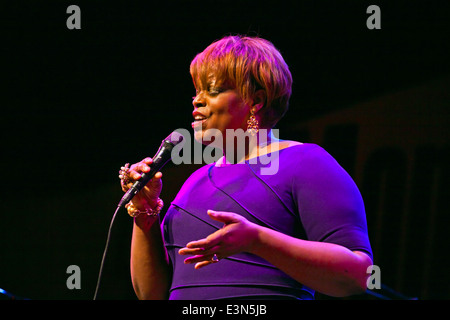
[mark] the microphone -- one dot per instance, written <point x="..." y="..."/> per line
<point x="162" y="156"/>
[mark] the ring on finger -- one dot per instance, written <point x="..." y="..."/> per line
<point x="215" y="258"/>
<point x="124" y="175"/>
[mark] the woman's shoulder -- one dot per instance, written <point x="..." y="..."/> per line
<point x="300" y="148"/>
<point x="201" y="171"/>
<point x="305" y="155"/>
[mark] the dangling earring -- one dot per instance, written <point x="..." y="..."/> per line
<point x="253" y="125"/>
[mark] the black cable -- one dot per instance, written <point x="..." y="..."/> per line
<point x="104" y="253"/>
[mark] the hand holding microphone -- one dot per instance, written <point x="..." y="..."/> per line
<point x="142" y="181"/>
<point x="148" y="196"/>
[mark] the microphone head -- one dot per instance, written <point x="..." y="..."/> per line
<point x="175" y="138"/>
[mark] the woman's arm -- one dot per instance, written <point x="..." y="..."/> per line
<point x="327" y="268"/>
<point x="149" y="267"/>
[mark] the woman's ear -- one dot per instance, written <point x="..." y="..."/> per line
<point x="259" y="100"/>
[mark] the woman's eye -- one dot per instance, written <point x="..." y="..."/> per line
<point x="215" y="91"/>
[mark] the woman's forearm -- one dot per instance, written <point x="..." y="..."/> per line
<point x="148" y="263"/>
<point x="327" y="268"/>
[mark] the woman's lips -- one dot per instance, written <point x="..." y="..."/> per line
<point x="199" y="118"/>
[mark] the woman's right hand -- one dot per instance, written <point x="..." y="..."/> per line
<point x="148" y="196"/>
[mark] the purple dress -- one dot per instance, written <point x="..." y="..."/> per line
<point x="310" y="197"/>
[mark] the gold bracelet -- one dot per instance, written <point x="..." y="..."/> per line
<point x="134" y="212"/>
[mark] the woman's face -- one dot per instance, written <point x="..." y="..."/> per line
<point x="217" y="106"/>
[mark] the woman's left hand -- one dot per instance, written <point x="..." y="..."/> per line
<point x="237" y="235"/>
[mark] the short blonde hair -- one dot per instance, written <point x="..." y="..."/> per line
<point x="248" y="64"/>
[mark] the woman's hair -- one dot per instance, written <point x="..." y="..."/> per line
<point x="248" y="64"/>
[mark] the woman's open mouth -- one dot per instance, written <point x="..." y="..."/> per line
<point x="199" y="119"/>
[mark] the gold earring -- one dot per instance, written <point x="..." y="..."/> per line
<point x="252" y="123"/>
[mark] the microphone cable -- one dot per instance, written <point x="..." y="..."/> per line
<point x="108" y="238"/>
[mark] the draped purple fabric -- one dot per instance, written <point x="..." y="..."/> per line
<point x="310" y="197"/>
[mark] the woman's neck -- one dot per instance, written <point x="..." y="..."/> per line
<point x="249" y="147"/>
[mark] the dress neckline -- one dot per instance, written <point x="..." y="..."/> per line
<point x="222" y="162"/>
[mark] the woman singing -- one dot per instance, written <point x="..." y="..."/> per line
<point x="232" y="232"/>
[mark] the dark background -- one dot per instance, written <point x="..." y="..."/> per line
<point x="78" y="104"/>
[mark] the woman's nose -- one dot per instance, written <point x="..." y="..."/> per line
<point x="198" y="101"/>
